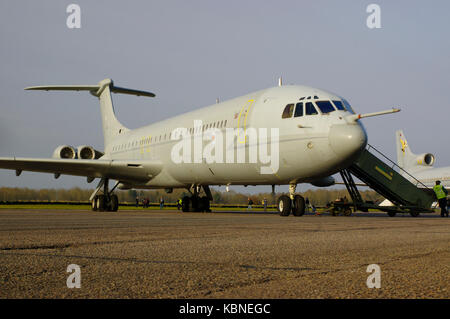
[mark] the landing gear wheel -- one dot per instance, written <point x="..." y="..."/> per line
<point x="414" y="213"/>
<point x="101" y="203"/>
<point x="348" y="212"/>
<point x="284" y="205"/>
<point x="195" y="204"/>
<point x="204" y="204"/>
<point x="114" y="204"/>
<point x="298" y="205"/>
<point x="94" y="204"/>
<point x="391" y="214"/>
<point x="186" y="204"/>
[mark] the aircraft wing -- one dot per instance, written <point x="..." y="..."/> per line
<point x="122" y="170"/>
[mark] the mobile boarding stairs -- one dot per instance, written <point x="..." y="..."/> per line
<point x="408" y="195"/>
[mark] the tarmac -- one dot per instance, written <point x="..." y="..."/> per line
<point x="169" y="254"/>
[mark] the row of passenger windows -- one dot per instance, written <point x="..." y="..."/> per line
<point x="312" y="108"/>
<point x="151" y="139"/>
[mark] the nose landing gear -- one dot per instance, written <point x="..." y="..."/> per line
<point x="293" y="202"/>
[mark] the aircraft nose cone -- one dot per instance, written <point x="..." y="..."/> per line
<point x="347" y="140"/>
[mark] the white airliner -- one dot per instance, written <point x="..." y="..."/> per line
<point x="420" y="166"/>
<point x="316" y="135"/>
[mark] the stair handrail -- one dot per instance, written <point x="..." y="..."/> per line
<point x="396" y="165"/>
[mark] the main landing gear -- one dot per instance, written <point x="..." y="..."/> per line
<point x="195" y="202"/>
<point x="107" y="201"/>
<point x="293" y="202"/>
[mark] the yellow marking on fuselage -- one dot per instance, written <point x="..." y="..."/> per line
<point x="247" y="106"/>
<point x="149" y="139"/>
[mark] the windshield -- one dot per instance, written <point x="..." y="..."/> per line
<point x="310" y="109"/>
<point x="347" y="105"/>
<point x="298" y="110"/>
<point x="339" y="105"/>
<point x="288" y="110"/>
<point x="325" y="106"/>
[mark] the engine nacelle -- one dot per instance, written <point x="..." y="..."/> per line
<point x="324" y="181"/>
<point x="65" y="152"/>
<point x="426" y="159"/>
<point x="88" y="152"/>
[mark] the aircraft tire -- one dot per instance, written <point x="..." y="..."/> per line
<point x="284" y="204"/>
<point x="94" y="204"/>
<point x="114" y="204"/>
<point x="414" y="213"/>
<point x="298" y="205"/>
<point x="348" y="212"/>
<point x="204" y="204"/>
<point x="186" y="204"/>
<point x="101" y="203"/>
<point x="391" y="214"/>
<point x="196" y="204"/>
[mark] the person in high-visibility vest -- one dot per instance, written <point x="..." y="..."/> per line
<point x="441" y="195"/>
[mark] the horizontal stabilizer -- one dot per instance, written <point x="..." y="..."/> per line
<point x="116" y="89"/>
<point x="94" y="89"/>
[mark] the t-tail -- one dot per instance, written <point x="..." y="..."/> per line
<point x="409" y="161"/>
<point x="111" y="126"/>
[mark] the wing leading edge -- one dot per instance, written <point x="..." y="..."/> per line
<point x="130" y="171"/>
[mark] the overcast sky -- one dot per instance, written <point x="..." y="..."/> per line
<point x="191" y="52"/>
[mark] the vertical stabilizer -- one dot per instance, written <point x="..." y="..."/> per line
<point x="404" y="154"/>
<point x="111" y="126"/>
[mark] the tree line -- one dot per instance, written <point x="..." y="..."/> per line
<point x="318" y="197"/>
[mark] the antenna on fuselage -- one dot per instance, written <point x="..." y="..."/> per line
<point x="280" y="81"/>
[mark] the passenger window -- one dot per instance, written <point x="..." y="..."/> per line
<point x="310" y="109"/>
<point x="325" y="106"/>
<point x="298" y="109"/>
<point x="288" y="110"/>
<point x="339" y="105"/>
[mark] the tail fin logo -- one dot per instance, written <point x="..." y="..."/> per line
<point x="404" y="144"/>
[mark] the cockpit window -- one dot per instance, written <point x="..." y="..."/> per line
<point x="298" y="109"/>
<point x="288" y="110"/>
<point x="325" y="106"/>
<point x="339" y="105"/>
<point x="310" y="109"/>
<point x="347" y="105"/>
